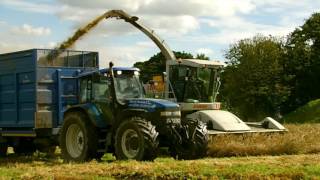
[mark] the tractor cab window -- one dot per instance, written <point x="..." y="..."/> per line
<point x="85" y="90"/>
<point x="127" y="85"/>
<point x="94" y="88"/>
<point x="101" y="91"/>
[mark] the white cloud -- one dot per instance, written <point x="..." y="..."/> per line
<point x="235" y="28"/>
<point x="3" y="22"/>
<point x="30" y="30"/>
<point x="169" y="7"/>
<point x="171" y="17"/>
<point x="205" y="51"/>
<point x="52" y="44"/>
<point x="28" y="6"/>
<point x="120" y="55"/>
<point x="174" y="26"/>
<point x="16" y="38"/>
<point x="146" y="44"/>
<point x="96" y="4"/>
<point x="6" y="47"/>
<point x="188" y="24"/>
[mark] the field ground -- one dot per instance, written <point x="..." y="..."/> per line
<point x="261" y="167"/>
<point x="231" y="157"/>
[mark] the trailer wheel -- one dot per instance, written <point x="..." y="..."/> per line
<point x="3" y="149"/>
<point x="78" y="138"/>
<point x="136" y="139"/>
<point x="196" y="146"/>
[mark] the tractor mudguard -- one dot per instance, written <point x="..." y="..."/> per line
<point x="94" y="114"/>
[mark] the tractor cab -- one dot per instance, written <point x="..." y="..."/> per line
<point x="99" y="86"/>
<point x="195" y="83"/>
<point x="119" y="93"/>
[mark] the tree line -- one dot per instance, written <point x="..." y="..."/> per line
<point x="265" y="75"/>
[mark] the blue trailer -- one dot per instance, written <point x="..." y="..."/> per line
<point x="50" y="98"/>
<point x="35" y="94"/>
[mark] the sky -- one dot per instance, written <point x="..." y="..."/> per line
<point x="195" y="26"/>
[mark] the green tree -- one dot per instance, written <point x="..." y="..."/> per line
<point x="252" y="82"/>
<point x="202" y="57"/>
<point x="302" y="65"/>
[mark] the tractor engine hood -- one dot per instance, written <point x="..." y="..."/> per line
<point x="152" y="105"/>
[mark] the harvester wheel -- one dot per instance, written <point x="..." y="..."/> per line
<point x="193" y="147"/>
<point x="136" y="139"/>
<point x="3" y="149"/>
<point x="78" y="138"/>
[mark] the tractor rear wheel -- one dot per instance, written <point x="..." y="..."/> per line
<point x="136" y="139"/>
<point x="196" y="146"/>
<point x="78" y="138"/>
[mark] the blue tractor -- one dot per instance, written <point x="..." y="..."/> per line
<point x="88" y="111"/>
<point x="135" y="126"/>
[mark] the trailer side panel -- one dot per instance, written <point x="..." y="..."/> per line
<point x="17" y="89"/>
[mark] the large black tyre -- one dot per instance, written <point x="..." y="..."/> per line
<point x="78" y="138"/>
<point x="136" y="139"/>
<point x="3" y="149"/>
<point x="195" y="146"/>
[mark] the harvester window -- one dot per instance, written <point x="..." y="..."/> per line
<point x="178" y="72"/>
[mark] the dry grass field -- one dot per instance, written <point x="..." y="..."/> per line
<point x="301" y="139"/>
<point x="293" y="155"/>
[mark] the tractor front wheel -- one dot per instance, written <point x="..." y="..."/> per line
<point x="136" y="139"/>
<point x="193" y="147"/>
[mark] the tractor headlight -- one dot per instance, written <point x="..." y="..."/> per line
<point x="170" y="113"/>
<point x="176" y="113"/>
<point x="165" y="113"/>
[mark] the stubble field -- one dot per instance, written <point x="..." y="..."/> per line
<point x="292" y="155"/>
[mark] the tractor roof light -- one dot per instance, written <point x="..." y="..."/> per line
<point x="136" y="73"/>
<point x="119" y="72"/>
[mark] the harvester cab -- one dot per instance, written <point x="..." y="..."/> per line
<point x="194" y="84"/>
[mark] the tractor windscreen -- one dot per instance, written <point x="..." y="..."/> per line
<point x="194" y="84"/>
<point x="127" y="85"/>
